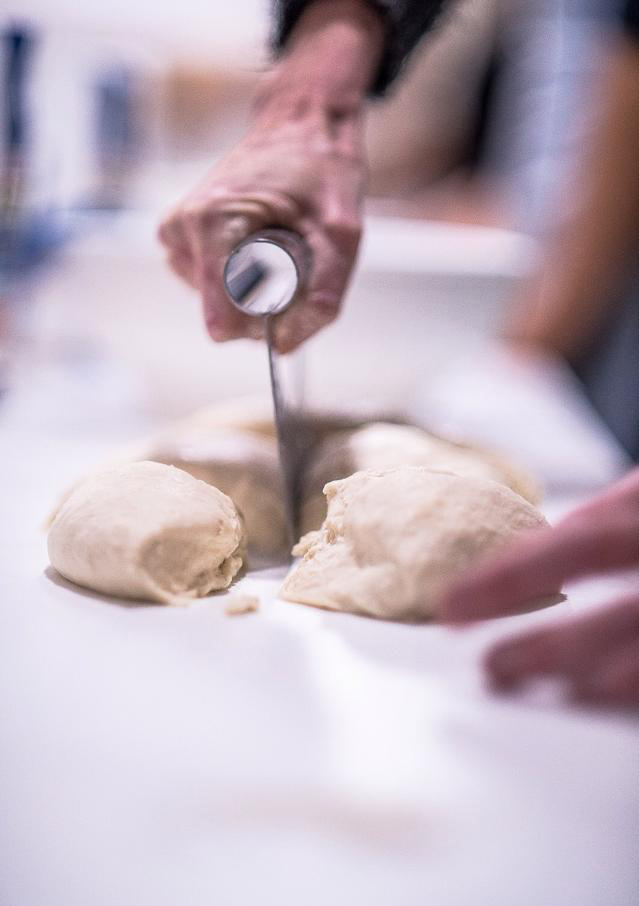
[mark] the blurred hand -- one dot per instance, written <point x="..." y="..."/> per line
<point x="286" y="174"/>
<point x="300" y="167"/>
<point x="597" y="653"/>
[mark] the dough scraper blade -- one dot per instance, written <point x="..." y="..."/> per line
<point x="263" y="277"/>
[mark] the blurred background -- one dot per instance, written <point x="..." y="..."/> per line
<point x="110" y="114"/>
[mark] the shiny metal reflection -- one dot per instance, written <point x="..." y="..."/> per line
<point x="265" y="273"/>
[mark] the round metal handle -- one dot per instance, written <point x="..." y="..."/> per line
<point x="266" y="272"/>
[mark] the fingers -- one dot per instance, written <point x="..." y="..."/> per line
<point x="616" y="679"/>
<point x="287" y="179"/>
<point x="589" y="541"/>
<point x="528" y="570"/>
<point x="573" y="647"/>
<point x="182" y="265"/>
<point x="334" y="249"/>
<point x="213" y="235"/>
<point x="173" y="237"/>
<point x="200" y="237"/>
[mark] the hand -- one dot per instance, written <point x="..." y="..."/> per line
<point x="292" y="175"/>
<point x="300" y="166"/>
<point x="598" y="654"/>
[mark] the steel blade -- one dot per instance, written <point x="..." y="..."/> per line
<point x="292" y="434"/>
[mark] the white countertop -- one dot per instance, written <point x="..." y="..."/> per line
<point x="152" y="756"/>
<point x="155" y="756"/>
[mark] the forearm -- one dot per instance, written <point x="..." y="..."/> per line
<point x="405" y="22"/>
<point x="566" y="304"/>
<point x="319" y="85"/>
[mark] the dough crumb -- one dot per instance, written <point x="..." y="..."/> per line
<point x="237" y="605"/>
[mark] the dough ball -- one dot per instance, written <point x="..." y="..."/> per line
<point x="147" y="531"/>
<point x="233" y="446"/>
<point x="242" y="465"/>
<point x="383" y="445"/>
<point x="393" y="541"/>
<point x="253" y="414"/>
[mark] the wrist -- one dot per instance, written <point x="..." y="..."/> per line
<point x="329" y="62"/>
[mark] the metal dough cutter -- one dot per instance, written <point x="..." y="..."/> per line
<point x="263" y="276"/>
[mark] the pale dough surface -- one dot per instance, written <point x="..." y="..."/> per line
<point x="253" y="414"/>
<point x="245" y="467"/>
<point x="383" y="445"/>
<point x="393" y="541"/>
<point x="233" y="446"/>
<point x="147" y="531"/>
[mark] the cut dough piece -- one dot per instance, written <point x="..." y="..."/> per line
<point x="242" y="465"/>
<point x="147" y="531"/>
<point x="233" y="447"/>
<point x="253" y="414"/>
<point x="394" y="540"/>
<point x="383" y="445"/>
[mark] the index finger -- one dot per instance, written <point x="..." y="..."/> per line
<point x="333" y="248"/>
<point x="536" y="567"/>
<point x="213" y="238"/>
<point x="576" y="647"/>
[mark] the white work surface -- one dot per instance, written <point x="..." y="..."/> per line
<point x="175" y="756"/>
<point x="155" y="756"/>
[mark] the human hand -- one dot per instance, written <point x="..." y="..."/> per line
<point x="597" y="653"/>
<point x="300" y="167"/>
<point x="289" y="175"/>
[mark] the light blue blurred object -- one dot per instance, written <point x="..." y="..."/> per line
<point x="27" y="236"/>
<point x="117" y="134"/>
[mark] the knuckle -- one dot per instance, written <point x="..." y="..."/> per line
<point x="200" y="214"/>
<point x="235" y="228"/>
<point x="193" y="217"/>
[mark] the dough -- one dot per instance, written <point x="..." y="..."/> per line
<point x="238" y="605"/>
<point x="383" y="445"/>
<point x="233" y="446"/>
<point x="147" y="531"/>
<point x="242" y="465"/>
<point x="393" y="541"/>
<point x="253" y="414"/>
